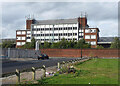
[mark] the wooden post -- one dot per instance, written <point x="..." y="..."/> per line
<point x="18" y="75"/>
<point x="33" y="72"/>
<point x="63" y="63"/>
<point x="44" y="75"/>
<point x="58" y="65"/>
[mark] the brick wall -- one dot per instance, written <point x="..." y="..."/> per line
<point x="77" y="52"/>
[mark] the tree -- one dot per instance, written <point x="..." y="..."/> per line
<point x="33" y="42"/>
<point x="55" y="45"/>
<point x="115" y="43"/>
<point x="63" y="44"/>
<point x="100" y="47"/>
<point x="87" y="45"/>
<point x="30" y="45"/>
<point x="80" y="43"/>
<point x="70" y="44"/>
<point x="27" y="45"/>
<point x="41" y="46"/>
<point x="8" y="44"/>
<point x="46" y="45"/>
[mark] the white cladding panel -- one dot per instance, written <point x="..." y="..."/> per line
<point x="93" y="36"/>
<point x="42" y="26"/>
<point x="28" y="40"/>
<point x="35" y="26"/>
<point x="18" y="43"/>
<point x="28" y="32"/>
<point x="56" y="26"/>
<point x="87" y="36"/>
<point x="93" y="43"/>
<point x="46" y="31"/>
<point x="74" y="25"/>
<point x="47" y="37"/>
<point x="22" y="43"/>
<point x="38" y="32"/>
<point x="87" y="30"/>
<point x="18" y="38"/>
<point x="70" y="25"/>
<point x="65" y="25"/>
<point x="47" y="26"/>
<point x="51" y="26"/>
<point x="69" y="31"/>
<point x="60" y="25"/>
<point x="18" y="32"/>
<point x="74" y="31"/>
<point x="23" y="32"/>
<point x="22" y="38"/>
<point x="38" y="26"/>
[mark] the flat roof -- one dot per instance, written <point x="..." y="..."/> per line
<point x="57" y="21"/>
<point x="106" y="39"/>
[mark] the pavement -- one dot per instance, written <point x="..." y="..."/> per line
<point x="9" y="66"/>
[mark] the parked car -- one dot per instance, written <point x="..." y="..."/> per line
<point x="43" y="56"/>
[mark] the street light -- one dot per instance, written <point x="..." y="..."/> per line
<point x="81" y="52"/>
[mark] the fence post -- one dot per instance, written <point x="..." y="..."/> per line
<point x="63" y="63"/>
<point x="44" y="75"/>
<point x="8" y="52"/>
<point x="18" y="75"/>
<point x="58" y="65"/>
<point x="33" y="72"/>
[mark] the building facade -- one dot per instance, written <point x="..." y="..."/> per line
<point x="56" y="30"/>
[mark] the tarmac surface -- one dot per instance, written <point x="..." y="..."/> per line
<point x="9" y="66"/>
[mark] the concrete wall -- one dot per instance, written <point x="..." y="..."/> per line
<point x="19" y="53"/>
<point x="77" y="52"/>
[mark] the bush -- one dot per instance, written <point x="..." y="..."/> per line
<point x="100" y="47"/>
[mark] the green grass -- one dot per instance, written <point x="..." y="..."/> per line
<point x="95" y="71"/>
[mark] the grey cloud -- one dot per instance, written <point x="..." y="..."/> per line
<point x="13" y="15"/>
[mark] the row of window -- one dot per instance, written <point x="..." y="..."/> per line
<point x="90" y="36"/>
<point x="54" y="39"/>
<point x="44" y="29"/>
<point x="60" y="34"/>
<point x="20" y="43"/>
<point x="90" y="31"/>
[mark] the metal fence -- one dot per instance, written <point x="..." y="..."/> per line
<point x="19" y="53"/>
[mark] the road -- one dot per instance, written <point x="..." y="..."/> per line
<point x="11" y="66"/>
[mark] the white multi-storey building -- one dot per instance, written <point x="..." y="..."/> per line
<point x="55" y="30"/>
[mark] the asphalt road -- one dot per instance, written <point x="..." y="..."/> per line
<point x="11" y="66"/>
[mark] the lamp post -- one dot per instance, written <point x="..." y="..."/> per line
<point x="81" y="52"/>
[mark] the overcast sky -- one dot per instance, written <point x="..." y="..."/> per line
<point x="103" y="15"/>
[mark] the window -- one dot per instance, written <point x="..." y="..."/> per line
<point x="93" y="30"/>
<point x="87" y="36"/>
<point x="93" y="36"/>
<point x="23" y="32"/>
<point x="18" y="32"/>
<point x="18" y="43"/>
<point x="18" y="38"/>
<point x="74" y="28"/>
<point x="93" y="43"/>
<point x="23" y="43"/>
<point x="87" y="31"/>
<point x="23" y="38"/>
<point x="80" y="36"/>
<point x="28" y="37"/>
